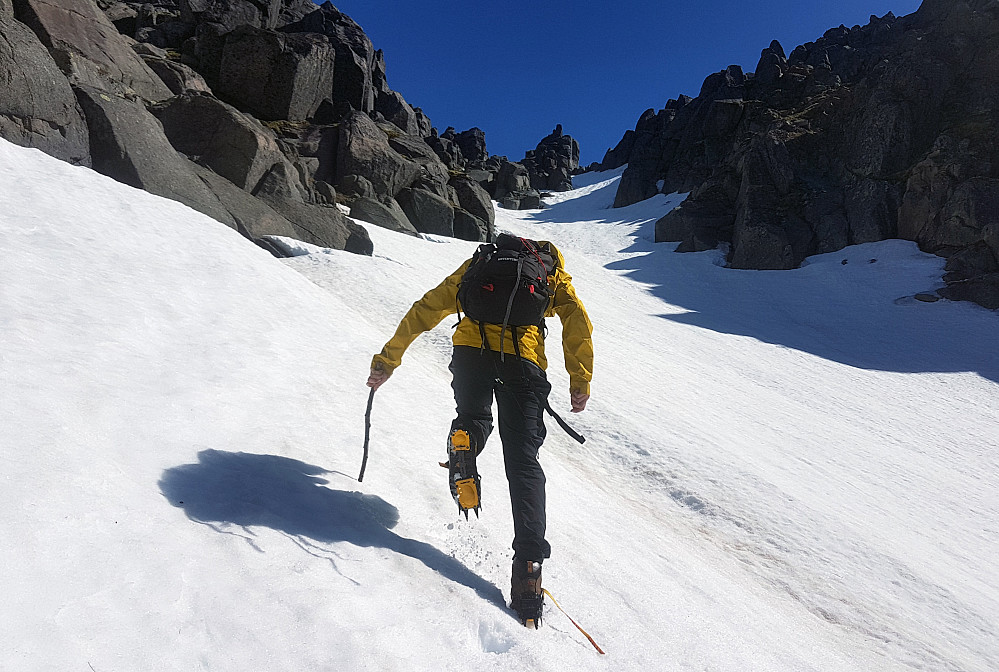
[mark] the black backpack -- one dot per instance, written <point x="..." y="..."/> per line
<point x="507" y="283"/>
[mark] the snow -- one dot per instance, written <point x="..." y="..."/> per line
<point x="783" y="471"/>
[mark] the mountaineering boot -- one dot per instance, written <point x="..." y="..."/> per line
<point x="525" y="592"/>
<point x="463" y="477"/>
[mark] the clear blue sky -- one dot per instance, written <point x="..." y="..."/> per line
<point x="515" y="68"/>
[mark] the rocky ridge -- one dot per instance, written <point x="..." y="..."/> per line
<point x="265" y="116"/>
<point x="882" y="131"/>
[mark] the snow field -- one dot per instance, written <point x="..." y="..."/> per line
<point x="783" y="470"/>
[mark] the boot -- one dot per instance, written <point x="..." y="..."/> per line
<point x="525" y="592"/>
<point x="463" y="477"/>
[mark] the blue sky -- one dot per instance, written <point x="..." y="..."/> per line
<point x="515" y="68"/>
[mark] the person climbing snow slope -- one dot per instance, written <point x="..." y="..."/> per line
<point x="505" y="290"/>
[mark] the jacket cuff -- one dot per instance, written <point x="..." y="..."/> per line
<point x="380" y="362"/>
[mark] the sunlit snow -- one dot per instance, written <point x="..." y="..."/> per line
<point x="784" y="471"/>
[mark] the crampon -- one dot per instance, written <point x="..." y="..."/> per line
<point x="463" y="477"/>
<point x="526" y="595"/>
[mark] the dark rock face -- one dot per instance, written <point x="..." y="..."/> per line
<point x="868" y="133"/>
<point x="254" y="218"/>
<point x="428" y="212"/>
<point x="472" y="144"/>
<point x="363" y="149"/>
<point x="619" y="155"/>
<point x="226" y="13"/>
<point x="512" y="187"/>
<point x="37" y="105"/>
<point x="432" y="170"/>
<point x="218" y="136"/>
<point x="88" y="48"/>
<point x="552" y="164"/>
<point x="275" y="76"/>
<point x="178" y="77"/>
<point x="474" y="198"/>
<point x="231" y="14"/>
<point x="394" y="108"/>
<point x="469" y="227"/>
<point x="128" y="144"/>
<point x="310" y="72"/>
<point x="359" y="73"/>
<point x="387" y="214"/>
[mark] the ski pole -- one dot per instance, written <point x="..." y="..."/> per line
<point x="367" y="434"/>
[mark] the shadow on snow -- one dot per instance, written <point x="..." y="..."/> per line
<point x="862" y="314"/>
<point x="291" y="496"/>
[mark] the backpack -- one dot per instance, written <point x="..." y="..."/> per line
<point x="507" y="283"/>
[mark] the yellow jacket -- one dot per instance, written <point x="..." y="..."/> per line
<point x="441" y="301"/>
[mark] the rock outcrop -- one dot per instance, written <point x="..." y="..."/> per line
<point x="88" y="48"/>
<point x="886" y="130"/>
<point x="276" y="76"/>
<point x="37" y="106"/>
<point x="552" y="164"/>
<point x="264" y="115"/>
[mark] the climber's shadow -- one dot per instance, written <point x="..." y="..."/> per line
<point x="291" y="496"/>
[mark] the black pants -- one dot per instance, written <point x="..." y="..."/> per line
<point x="478" y="376"/>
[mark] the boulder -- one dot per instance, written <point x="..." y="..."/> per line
<point x="358" y="75"/>
<point x="357" y="186"/>
<point x="473" y="198"/>
<point x="530" y="200"/>
<point x="395" y="109"/>
<point x="178" y="77"/>
<point x="552" y="163"/>
<point x="203" y="51"/>
<point x="88" y="48"/>
<point x="325" y="193"/>
<point x="363" y="149"/>
<point x="971" y="262"/>
<point x="469" y="227"/>
<point x="759" y="238"/>
<point x="327" y="225"/>
<point x="255" y="218"/>
<point x="446" y="150"/>
<point x="387" y="214"/>
<point x="128" y="144"/>
<point x="705" y="219"/>
<point x="415" y="149"/>
<point x="983" y="290"/>
<point x="472" y="144"/>
<point x="37" y="105"/>
<point x="826" y="215"/>
<point x="170" y="34"/>
<point x="146" y="49"/>
<point x="872" y="210"/>
<point x="281" y="181"/>
<point x="511" y="178"/>
<point x="428" y="212"/>
<point x="275" y="76"/>
<point x="219" y="136"/>
<point x="229" y="13"/>
<point x="966" y="216"/>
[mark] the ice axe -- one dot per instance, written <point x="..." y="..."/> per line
<point x="367" y="434"/>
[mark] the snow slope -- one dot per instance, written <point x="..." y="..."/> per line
<point x="784" y="470"/>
